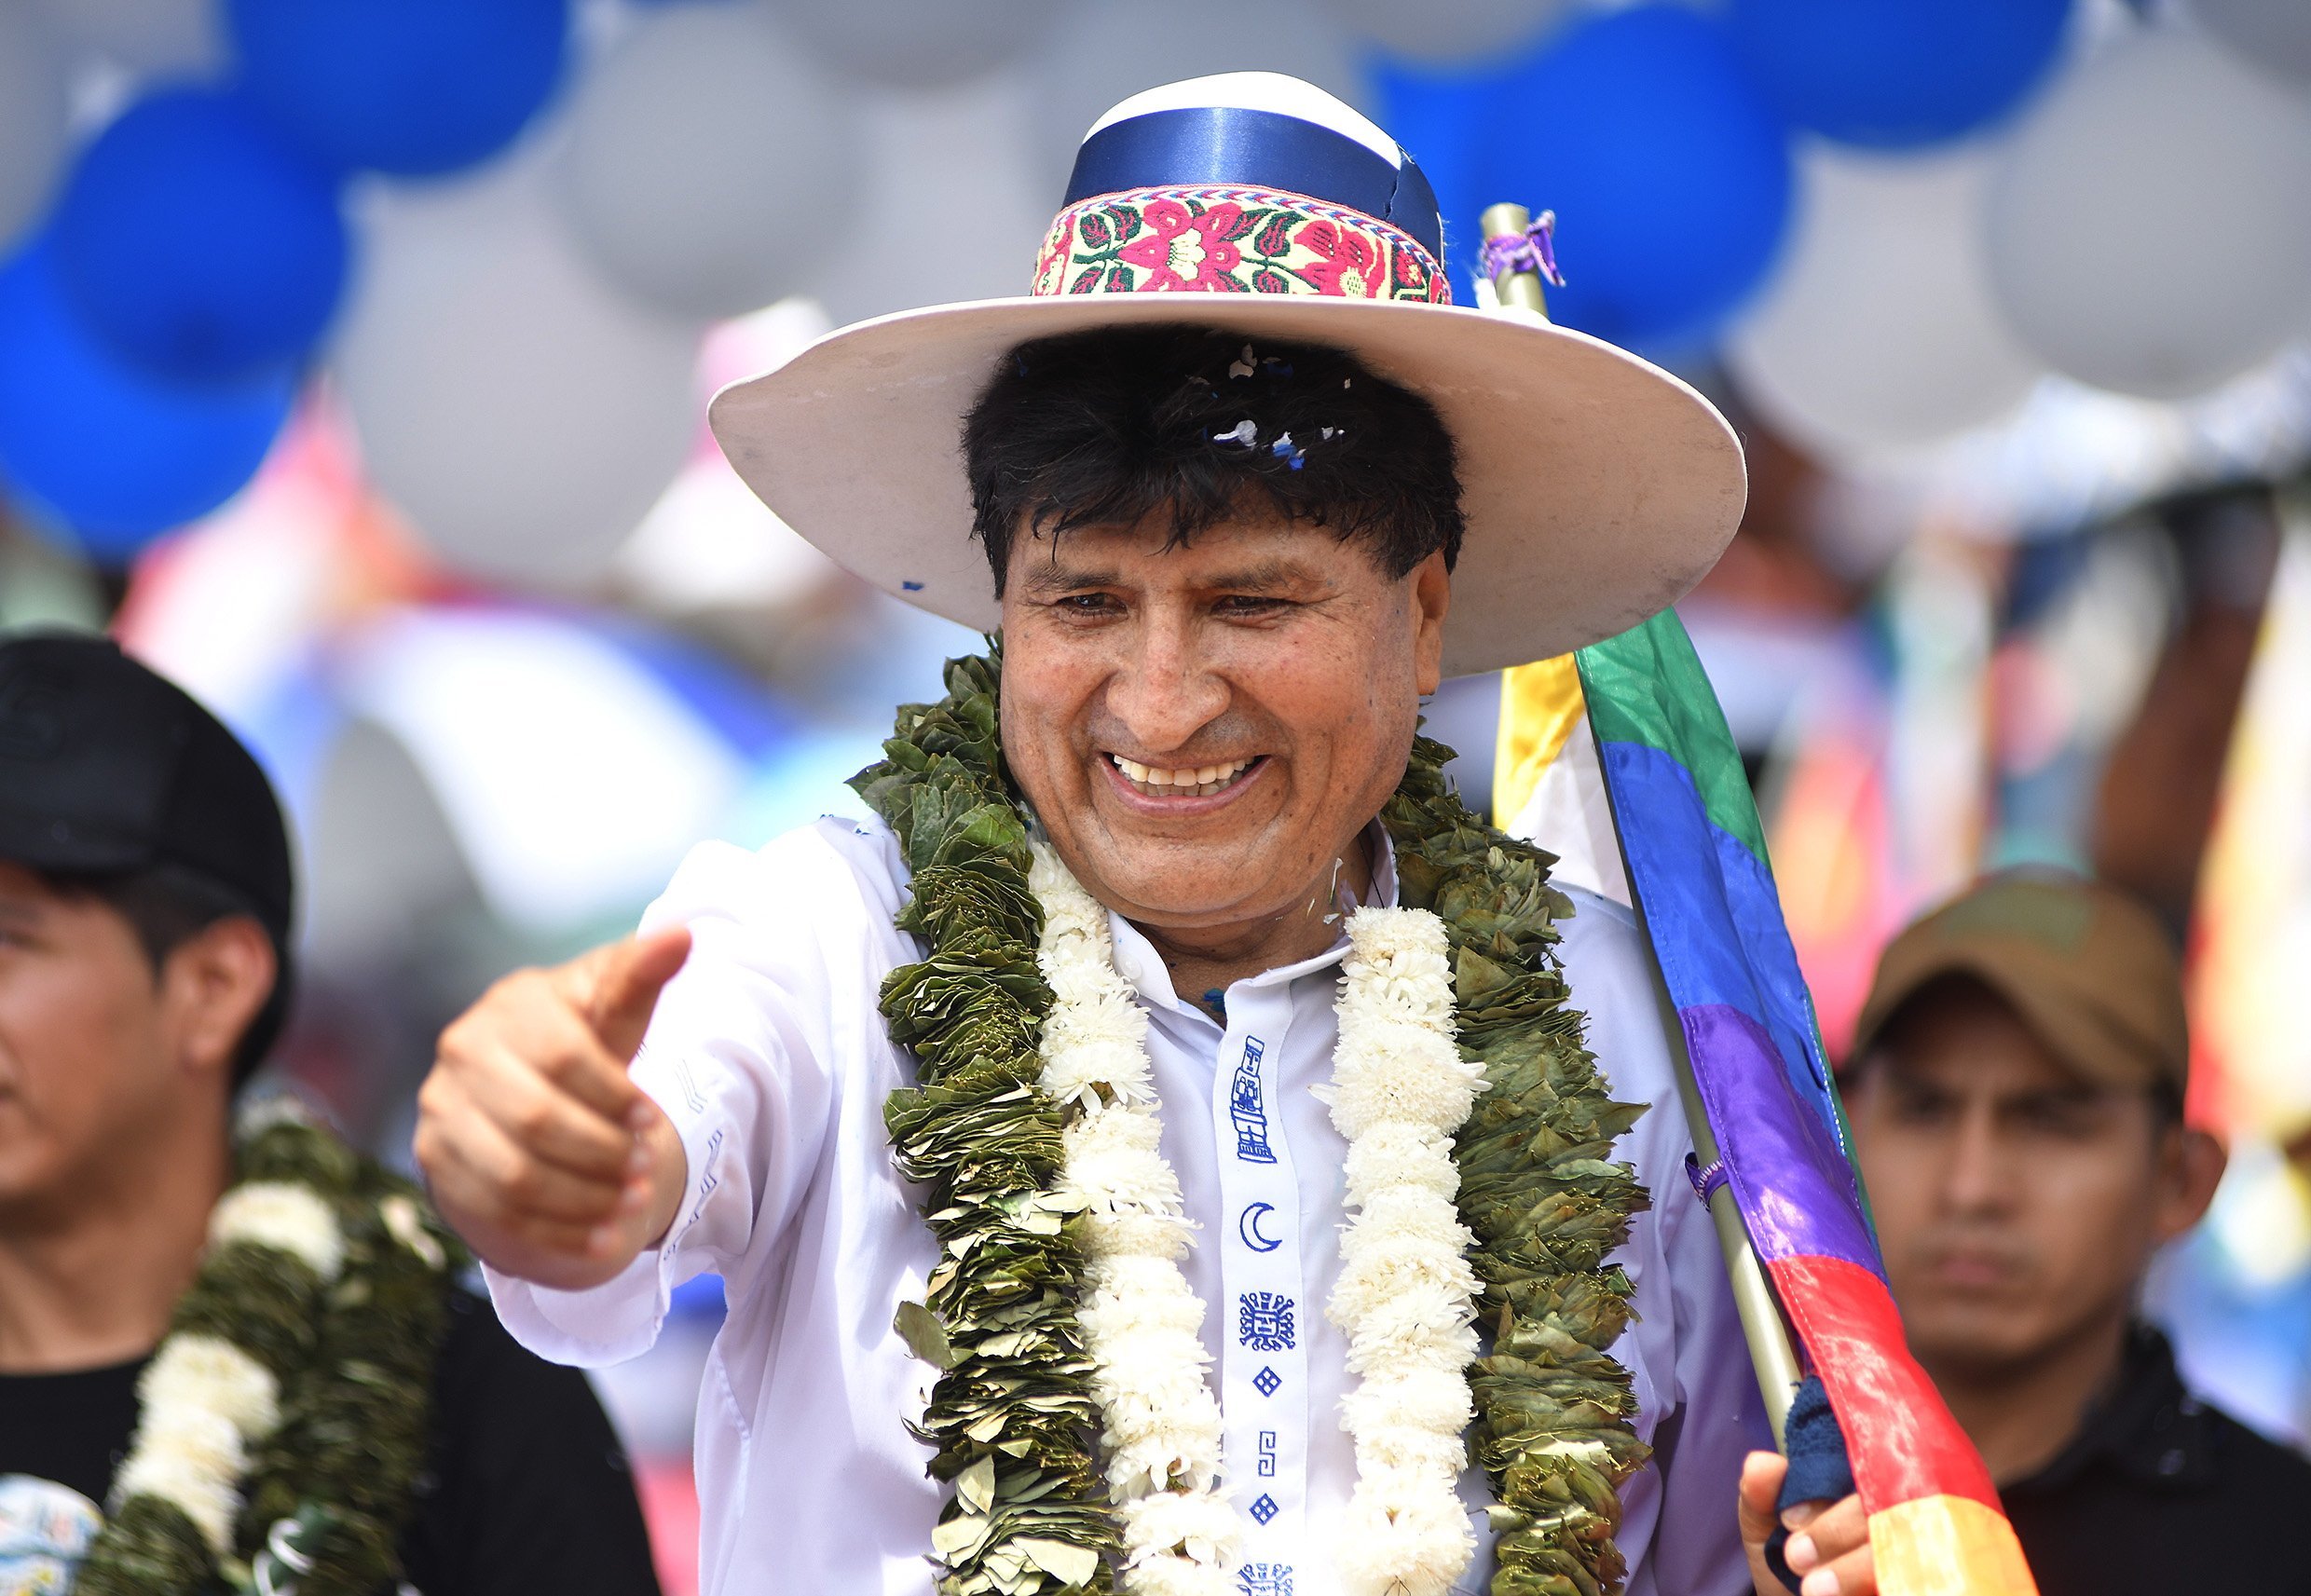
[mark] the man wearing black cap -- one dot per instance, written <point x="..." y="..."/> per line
<point x="2017" y="1100"/>
<point x="227" y="1356"/>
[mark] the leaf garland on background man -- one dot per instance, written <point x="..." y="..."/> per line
<point x="283" y="1418"/>
<point x="1011" y="1416"/>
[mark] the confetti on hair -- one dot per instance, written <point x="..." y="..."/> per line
<point x="1245" y="432"/>
<point x="1244" y="364"/>
<point x="1285" y="449"/>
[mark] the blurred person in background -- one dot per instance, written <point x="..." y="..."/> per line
<point x="2016" y="1097"/>
<point x="228" y="1347"/>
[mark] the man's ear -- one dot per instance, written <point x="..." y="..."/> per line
<point x="2191" y="1162"/>
<point x="1432" y="595"/>
<point x="213" y="987"/>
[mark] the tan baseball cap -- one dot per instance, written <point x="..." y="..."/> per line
<point x="2089" y="969"/>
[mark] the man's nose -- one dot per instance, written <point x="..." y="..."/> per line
<point x="1978" y="1178"/>
<point x="1163" y="691"/>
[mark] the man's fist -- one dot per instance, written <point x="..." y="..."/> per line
<point x="540" y="1152"/>
<point x="1828" y="1547"/>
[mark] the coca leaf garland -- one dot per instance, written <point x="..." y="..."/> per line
<point x="1011" y="1416"/>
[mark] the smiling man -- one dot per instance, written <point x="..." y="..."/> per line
<point x="1179" y="1148"/>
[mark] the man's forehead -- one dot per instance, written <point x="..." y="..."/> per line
<point x="2007" y="1066"/>
<point x="1233" y="552"/>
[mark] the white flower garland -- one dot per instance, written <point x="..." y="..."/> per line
<point x="1406" y="1294"/>
<point x="206" y="1404"/>
<point x="1142" y="1323"/>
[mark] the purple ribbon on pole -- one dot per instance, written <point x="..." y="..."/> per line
<point x="1534" y="250"/>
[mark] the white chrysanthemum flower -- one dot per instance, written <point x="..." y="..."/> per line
<point x="191" y="1458"/>
<point x="1178" y="1576"/>
<point x="1124" y="1180"/>
<point x="1412" y="1215"/>
<point x="1396" y="1154"/>
<point x="1402" y="1072"/>
<point x="1201" y="1525"/>
<point x="1378" y="933"/>
<point x="282" y="1214"/>
<point x="1425" y="1399"/>
<point x="1407" y="1535"/>
<point x="205" y="1374"/>
<point x="1136" y="1235"/>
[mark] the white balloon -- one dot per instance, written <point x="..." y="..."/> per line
<point x="952" y="206"/>
<point x="707" y="161"/>
<point x="147" y="37"/>
<point x="1446" y="32"/>
<point x="917" y="44"/>
<point x="35" y="108"/>
<point x="518" y="410"/>
<point x="2274" y="33"/>
<point x="2151" y="229"/>
<point x="1110" y="49"/>
<point x="1879" y="332"/>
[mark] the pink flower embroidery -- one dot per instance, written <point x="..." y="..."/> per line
<point x="1184" y="250"/>
<point x="1347" y="264"/>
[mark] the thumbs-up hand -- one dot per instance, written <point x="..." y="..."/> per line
<point x="540" y="1152"/>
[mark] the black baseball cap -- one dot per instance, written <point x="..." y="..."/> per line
<point x="107" y="767"/>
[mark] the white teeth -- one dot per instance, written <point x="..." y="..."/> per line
<point x="1197" y="780"/>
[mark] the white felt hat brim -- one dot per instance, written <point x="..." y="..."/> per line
<point x="1597" y="488"/>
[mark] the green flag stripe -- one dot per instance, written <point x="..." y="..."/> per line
<point x="1647" y="686"/>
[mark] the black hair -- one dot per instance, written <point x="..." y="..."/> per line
<point x="167" y="906"/>
<point x="1108" y="427"/>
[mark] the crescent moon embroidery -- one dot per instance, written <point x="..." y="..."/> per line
<point x="1247" y="1226"/>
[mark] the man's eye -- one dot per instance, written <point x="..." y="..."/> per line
<point x="1087" y="602"/>
<point x="1248" y="604"/>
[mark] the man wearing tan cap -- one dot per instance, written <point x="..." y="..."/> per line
<point x="2016" y="1097"/>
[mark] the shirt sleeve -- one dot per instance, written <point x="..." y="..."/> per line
<point x="527" y="1489"/>
<point x="1681" y="1526"/>
<point x="740" y="1057"/>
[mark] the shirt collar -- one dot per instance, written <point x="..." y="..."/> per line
<point x="1137" y="962"/>
<point x="2147" y="1424"/>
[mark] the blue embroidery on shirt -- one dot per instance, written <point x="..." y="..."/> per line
<point x="1265" y="1578"/>
<point x="1263" y="1507"/>
<point x="1267" y="1455"/>
<point x="1248" y="1107"/>
<point x="1266" y="1381"/>
<point x="1263" y="1322"/>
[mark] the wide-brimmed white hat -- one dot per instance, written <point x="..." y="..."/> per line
<point x="1597" y="488"/>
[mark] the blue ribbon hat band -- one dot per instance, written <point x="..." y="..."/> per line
<point x="1256" y="145"/>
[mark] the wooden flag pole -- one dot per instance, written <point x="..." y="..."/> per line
<point x="1518" y="292"/>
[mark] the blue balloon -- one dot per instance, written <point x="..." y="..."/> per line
<point x="116" y="455"/>
<point x="197" y="241"/>
<point x="414" y="87"/>
<point x="1669" y="174"/>
<point x="1898" y="73"/>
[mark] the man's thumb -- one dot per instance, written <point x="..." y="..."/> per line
<point x="627" y="983"/>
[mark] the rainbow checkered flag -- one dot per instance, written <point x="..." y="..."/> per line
<point x="1648" y="780"/>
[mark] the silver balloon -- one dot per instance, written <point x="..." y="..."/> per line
<point x="950" y="207"/>
<point x="1110" y="49"/>
<point x="705" y="160"/>
<point x="1445" y="32"/>
<point x="34" y="110"/>
<point x="1879" y="331"/>
<point x="917" y="44"/>
<point x="518" y="410"/>
<point x="2151" y="230"/>
<point x="2271" y="34"/>
<point x="176" y="38"/>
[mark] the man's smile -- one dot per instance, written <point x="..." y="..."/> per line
<point x="1170" y="784"/>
